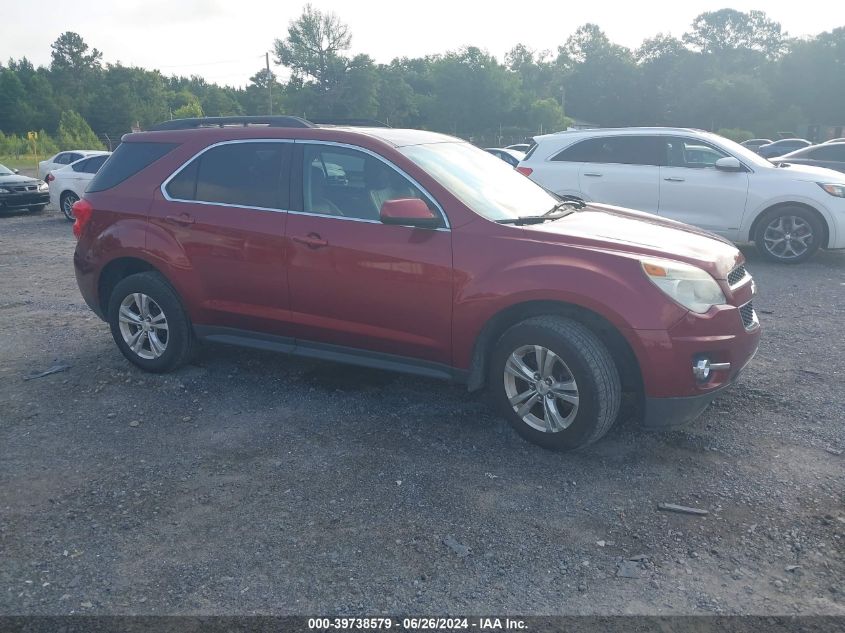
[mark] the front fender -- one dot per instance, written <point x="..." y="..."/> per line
<point x="761" y="207"/>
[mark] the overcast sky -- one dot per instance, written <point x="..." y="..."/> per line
<point x="225" y="40"/>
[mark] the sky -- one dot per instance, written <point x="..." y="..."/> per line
<point x="225" y="40"/>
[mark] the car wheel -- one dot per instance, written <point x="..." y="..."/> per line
<point x="789" y="235"/>
<point x="149" y="324"/>
<point x="66" y="203"/>
<point x="38" y="209"/>
<point x="555" y="382"/>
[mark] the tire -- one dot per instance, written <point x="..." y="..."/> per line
<point x="66" y="204"/>
<point x="38" y="209"/>
<point x="580" y="358"/>
<point x="788" y="235"/>
<point x="176" y="338"/>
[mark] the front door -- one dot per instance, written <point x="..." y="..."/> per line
<point x="355" y="282"/>
<point x="226" y="212"/>
<point x="692" y="190"/>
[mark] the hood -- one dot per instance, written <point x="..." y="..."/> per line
<point x="17" y="179"/>
<point x="638" y="233"/>
<point x="808" y="172"/>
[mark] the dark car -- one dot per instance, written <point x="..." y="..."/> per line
<point x="510" y="156"/>
<point x="430" y="257"/>
<point x="756" y="143"/>
<point x="781" y="147"/>
<point x="829" y="155"/>
<point x="22" y="192"/>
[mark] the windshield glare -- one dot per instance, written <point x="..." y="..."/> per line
<point x="5" y="171"/>
<point x="739" y="151"/>
<point x="483" y="182"/>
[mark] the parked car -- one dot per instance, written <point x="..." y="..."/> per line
<point x="756" y="143"/>
<point x="21" y="192"/>
<point x="63" y="159"/>
<point x="789" y="213"/>
<point x="781" y="147"/>
<point x="519" y="147"/>
<point x="433" y="258"/>
<point x="827" y="155"/>
<point x="835" y="140"/>
<point x="510" y="156"/>
<point x="68" y="183"/>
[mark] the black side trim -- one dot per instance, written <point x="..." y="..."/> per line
<point x="666" y="413"/>
<point x="333" y="353"/>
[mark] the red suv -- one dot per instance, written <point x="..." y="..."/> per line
<point x="410" y="251"/>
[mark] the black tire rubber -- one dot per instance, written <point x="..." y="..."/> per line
<point x="65" y="196"/>
<point x="37" y="209"/>
<point x="801" y="212"/>
<point x="599" y="386"/>
<point x="180" y="343"/>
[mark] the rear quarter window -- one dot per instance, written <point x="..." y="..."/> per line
<point x="127" y="160"/>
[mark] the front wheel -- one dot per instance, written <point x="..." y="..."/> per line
<point x="789" y="235"/>
<point x="555" y="382"/>
<point x="149" y="324"/>
<point x="66" y="202"/>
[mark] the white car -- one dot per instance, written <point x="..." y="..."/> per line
<point x="698" y="178"/>
<point x="68" y="183"/>
<point x="63" y="159"/>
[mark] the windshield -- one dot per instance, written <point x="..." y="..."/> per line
<point x="739" y="151"/>
<point x="5" y="171"/>
<point x="483" y="182"/>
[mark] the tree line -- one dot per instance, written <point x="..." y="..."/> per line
<point x="735" y="72"/>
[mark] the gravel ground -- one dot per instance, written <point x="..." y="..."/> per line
<point x="256" y="483"/>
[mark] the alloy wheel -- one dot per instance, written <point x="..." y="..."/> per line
<point x="143" y="325"/>
<point x="788" y="236"/>
<point x="67" y="205"/>
<point x="541" y="388"/>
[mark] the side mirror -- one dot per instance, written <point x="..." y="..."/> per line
<point x="408" y="212"/>
<point x="729" y="163"/>
<point x="17" y="171"/>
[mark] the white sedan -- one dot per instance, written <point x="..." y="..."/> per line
<point x="698" y="178"/>
<point x="68" y="183"/>
<point x="63" y="159"/>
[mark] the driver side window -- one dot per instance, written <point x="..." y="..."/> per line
<point x="346" y="182"/>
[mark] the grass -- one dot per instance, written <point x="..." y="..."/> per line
<point x="23" y="161"/>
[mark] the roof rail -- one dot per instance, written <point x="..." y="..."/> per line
<point x="222" y="121"/>
<point x="350" y="122"/>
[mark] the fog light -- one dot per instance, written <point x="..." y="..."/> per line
<point x="703" y="368"/>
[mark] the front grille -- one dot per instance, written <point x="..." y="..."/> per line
<point x="23" y="188"/>
<point x="749" y="316"/>
<point x="737" y="275"/>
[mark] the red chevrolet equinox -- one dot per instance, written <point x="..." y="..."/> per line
<point x="410" y="251"/>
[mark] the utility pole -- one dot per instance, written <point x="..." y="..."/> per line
<point x="269" y="85"/>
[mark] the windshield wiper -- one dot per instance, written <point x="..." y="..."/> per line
<point x="560" y="210"/>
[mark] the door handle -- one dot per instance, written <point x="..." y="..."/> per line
<point x="673" y="179"/>
<point x="182" y="219"/>
<point x="592" y="174"/>
<point x="312" y="240"/>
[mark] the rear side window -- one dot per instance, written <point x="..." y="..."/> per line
<point x="243" y="174"/>
<point x="530" y="151"/>
<point x="622" y="150"/>
<point x="90" y="165"/>
<point x="834" y="151"/>
<point x="127" y="160"/>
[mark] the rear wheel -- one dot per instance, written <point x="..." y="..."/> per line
<point x="555" y="382"/>
<point x="789" y="235"/>
<point x="149" y="324"/>
<point x="66" y="203"/>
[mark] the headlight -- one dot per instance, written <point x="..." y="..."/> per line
<point x="688" y="285"/>
<point x="833" y="189"/>
<point x="43" y="186"/>
<point x="4" y="190"/>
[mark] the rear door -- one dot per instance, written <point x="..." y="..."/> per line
<point x="620" y="170"/>
<point x="226" y="210"/>
<point x="692" y="190"/>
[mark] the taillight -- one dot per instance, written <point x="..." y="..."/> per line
<point x="49" y="178"/>
<point x="525" y="171"/>
<point x="82" y="211"/>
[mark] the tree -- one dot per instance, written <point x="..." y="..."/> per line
<point x="730" y="30"/>
<point x="75" y="133"/>
<point x="70" y="53"/>
<point x="313" y="47"/>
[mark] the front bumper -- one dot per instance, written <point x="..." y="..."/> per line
<point x="10" y="201"/>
